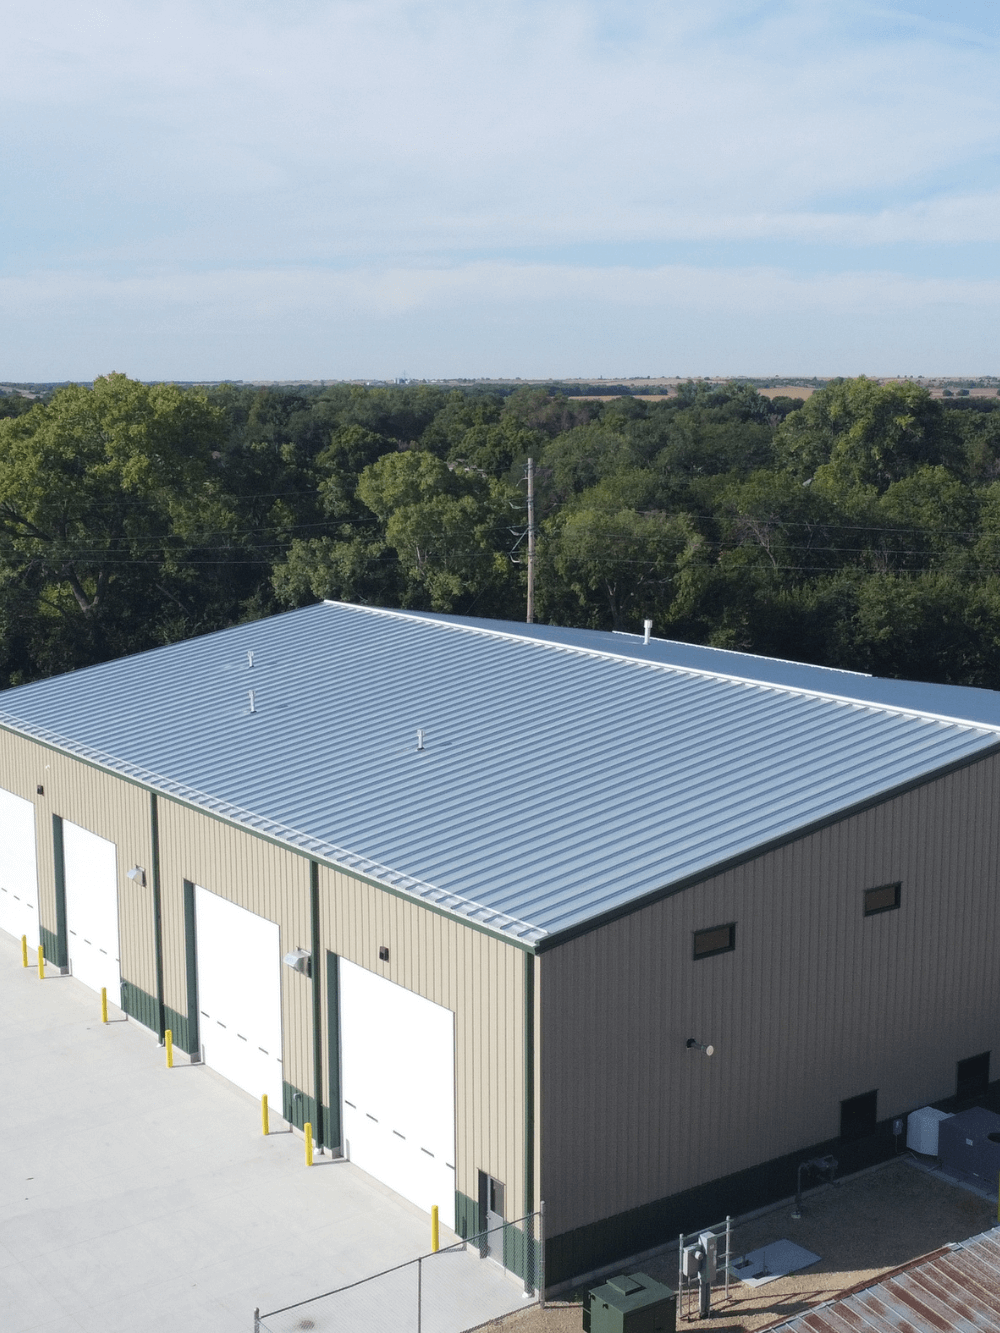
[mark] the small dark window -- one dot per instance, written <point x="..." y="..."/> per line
<point x="883" y="899"/>
<point x="972" y="1076"/>
<point x="858" y="1116"/>
<point x="717" y="939"/>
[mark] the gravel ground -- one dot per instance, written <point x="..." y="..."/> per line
<point x="860" y="1228"/>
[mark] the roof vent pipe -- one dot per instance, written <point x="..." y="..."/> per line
<point x="420" y="740"/>
<point x="647" y="628"/>
<point x="253" y="706"/>
<point x="250" y="657"/>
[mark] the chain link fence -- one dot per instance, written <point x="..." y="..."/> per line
<point x="453" y="1290"/>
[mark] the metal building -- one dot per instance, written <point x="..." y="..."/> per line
<point x="530" y="874"/>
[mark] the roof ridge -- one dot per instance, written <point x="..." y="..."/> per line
<point x="802" y="691"/>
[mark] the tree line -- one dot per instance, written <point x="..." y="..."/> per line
<point x="858" y="529"/>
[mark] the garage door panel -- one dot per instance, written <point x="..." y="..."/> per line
<point x="90" y="865"/>
<point x="239" y="994"/>
<point x="18" y="868"/>
<point x="398" y="1079"/>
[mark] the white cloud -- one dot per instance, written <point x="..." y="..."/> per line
<point x="236" y="152"/>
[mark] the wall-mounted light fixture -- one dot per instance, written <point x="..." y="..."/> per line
<point x="137" y="875"/>
<point x="693" y="1044"/>
<point x="40" y="790"/>
<point x="383" y="953"/>
<point x="299" y="960"/>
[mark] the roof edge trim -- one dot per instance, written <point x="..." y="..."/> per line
<point x="463" y="909"/>
<point x="897" y="710"/>
<point x="553" y="939"/>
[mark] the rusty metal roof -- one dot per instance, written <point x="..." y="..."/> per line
<point x="952" y="1290"/>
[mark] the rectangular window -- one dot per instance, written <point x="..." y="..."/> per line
<point x="717" y="939"/>
<point x="972" y="1076"/>
<point x="858" y="1116"/>
<point x="883" y="899"/>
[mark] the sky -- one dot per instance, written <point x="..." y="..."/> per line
<point x="316" y="189"/>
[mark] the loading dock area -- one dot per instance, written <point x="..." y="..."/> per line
<point x="142" y="1200"/>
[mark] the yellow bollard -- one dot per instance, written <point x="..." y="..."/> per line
<point x="168" y="1038"/>
<point x="24" y="951"/>
<point x="104" y="1004"/>
<point x="307" y="1129"/>
<point x="41" y="962"/>
<point x="435" y="1238"/>
<point x="263" y="1114"/>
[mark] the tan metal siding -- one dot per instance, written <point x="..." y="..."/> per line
<point x="481" y="979"/>
<point x="256" y="875"/>
<point x="816" y="1004"/>
<point x="105" y="805"/>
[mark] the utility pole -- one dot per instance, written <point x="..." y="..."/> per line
<point x="530" y="618"/>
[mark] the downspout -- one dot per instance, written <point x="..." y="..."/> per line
<point x="317" y="999"/>
<point x="529" y="1117"/>
<point x="154" y="832"/>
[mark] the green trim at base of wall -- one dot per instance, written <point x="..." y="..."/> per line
<point x="630" y="1233"/>
<point x="50" y="947"/>
<point x="520" y="1255"/>
<point x="516" y="1247"/>
<point x="178" y="1025"/>
<point x="297" y="1107"/>
<point x="140" y="1005"/>
<point x="466" y="1215"/>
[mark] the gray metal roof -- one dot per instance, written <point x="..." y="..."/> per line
<point x="954" y="1290"/>
<point x="567" y="774"/>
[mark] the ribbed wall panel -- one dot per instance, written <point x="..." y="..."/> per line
<point x="478" y="977"/>
<point x="105" y="805"/>
<point x="817" y="1003"/>
<point x="256" y="875"/>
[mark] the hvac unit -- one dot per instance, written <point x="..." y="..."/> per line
<point x="922" y="1130"/>
<point x="630" y="1304"/>
<point x="969" y="1146"/>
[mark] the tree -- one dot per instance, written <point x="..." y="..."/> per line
<point x="439" y="542"/>
<point x="864" y="434"/>
<point x="102" y="494"/>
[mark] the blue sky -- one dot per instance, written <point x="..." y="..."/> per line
<point x="213" y="188"/>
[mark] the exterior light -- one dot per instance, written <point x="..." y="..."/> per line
<point x="299" y="960"/>
<point x="693" y="1044"/>
<point x="138" y="876"/>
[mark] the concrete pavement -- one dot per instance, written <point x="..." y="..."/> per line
<point x="137" y="1199"/>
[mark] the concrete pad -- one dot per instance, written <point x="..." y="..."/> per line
<point x="139" y="1198"/>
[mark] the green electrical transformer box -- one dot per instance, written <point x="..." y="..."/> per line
<point x="630" y="1304"/>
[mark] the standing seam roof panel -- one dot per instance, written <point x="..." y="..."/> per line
<point x="559" y="782"/>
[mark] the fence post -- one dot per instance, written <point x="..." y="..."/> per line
<point x="529" y="1255"/>
<point x="541" y="1253"/>
<point x="24" y="951"/>
<point x="256" y="1320"/>
<point x="420" y="1292"/>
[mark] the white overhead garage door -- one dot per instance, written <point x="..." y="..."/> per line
<point x="398" y="1084"/>
<point x="91" y="876"/>
<point x="239" y="994"/>
<point x="18" y="868"/>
